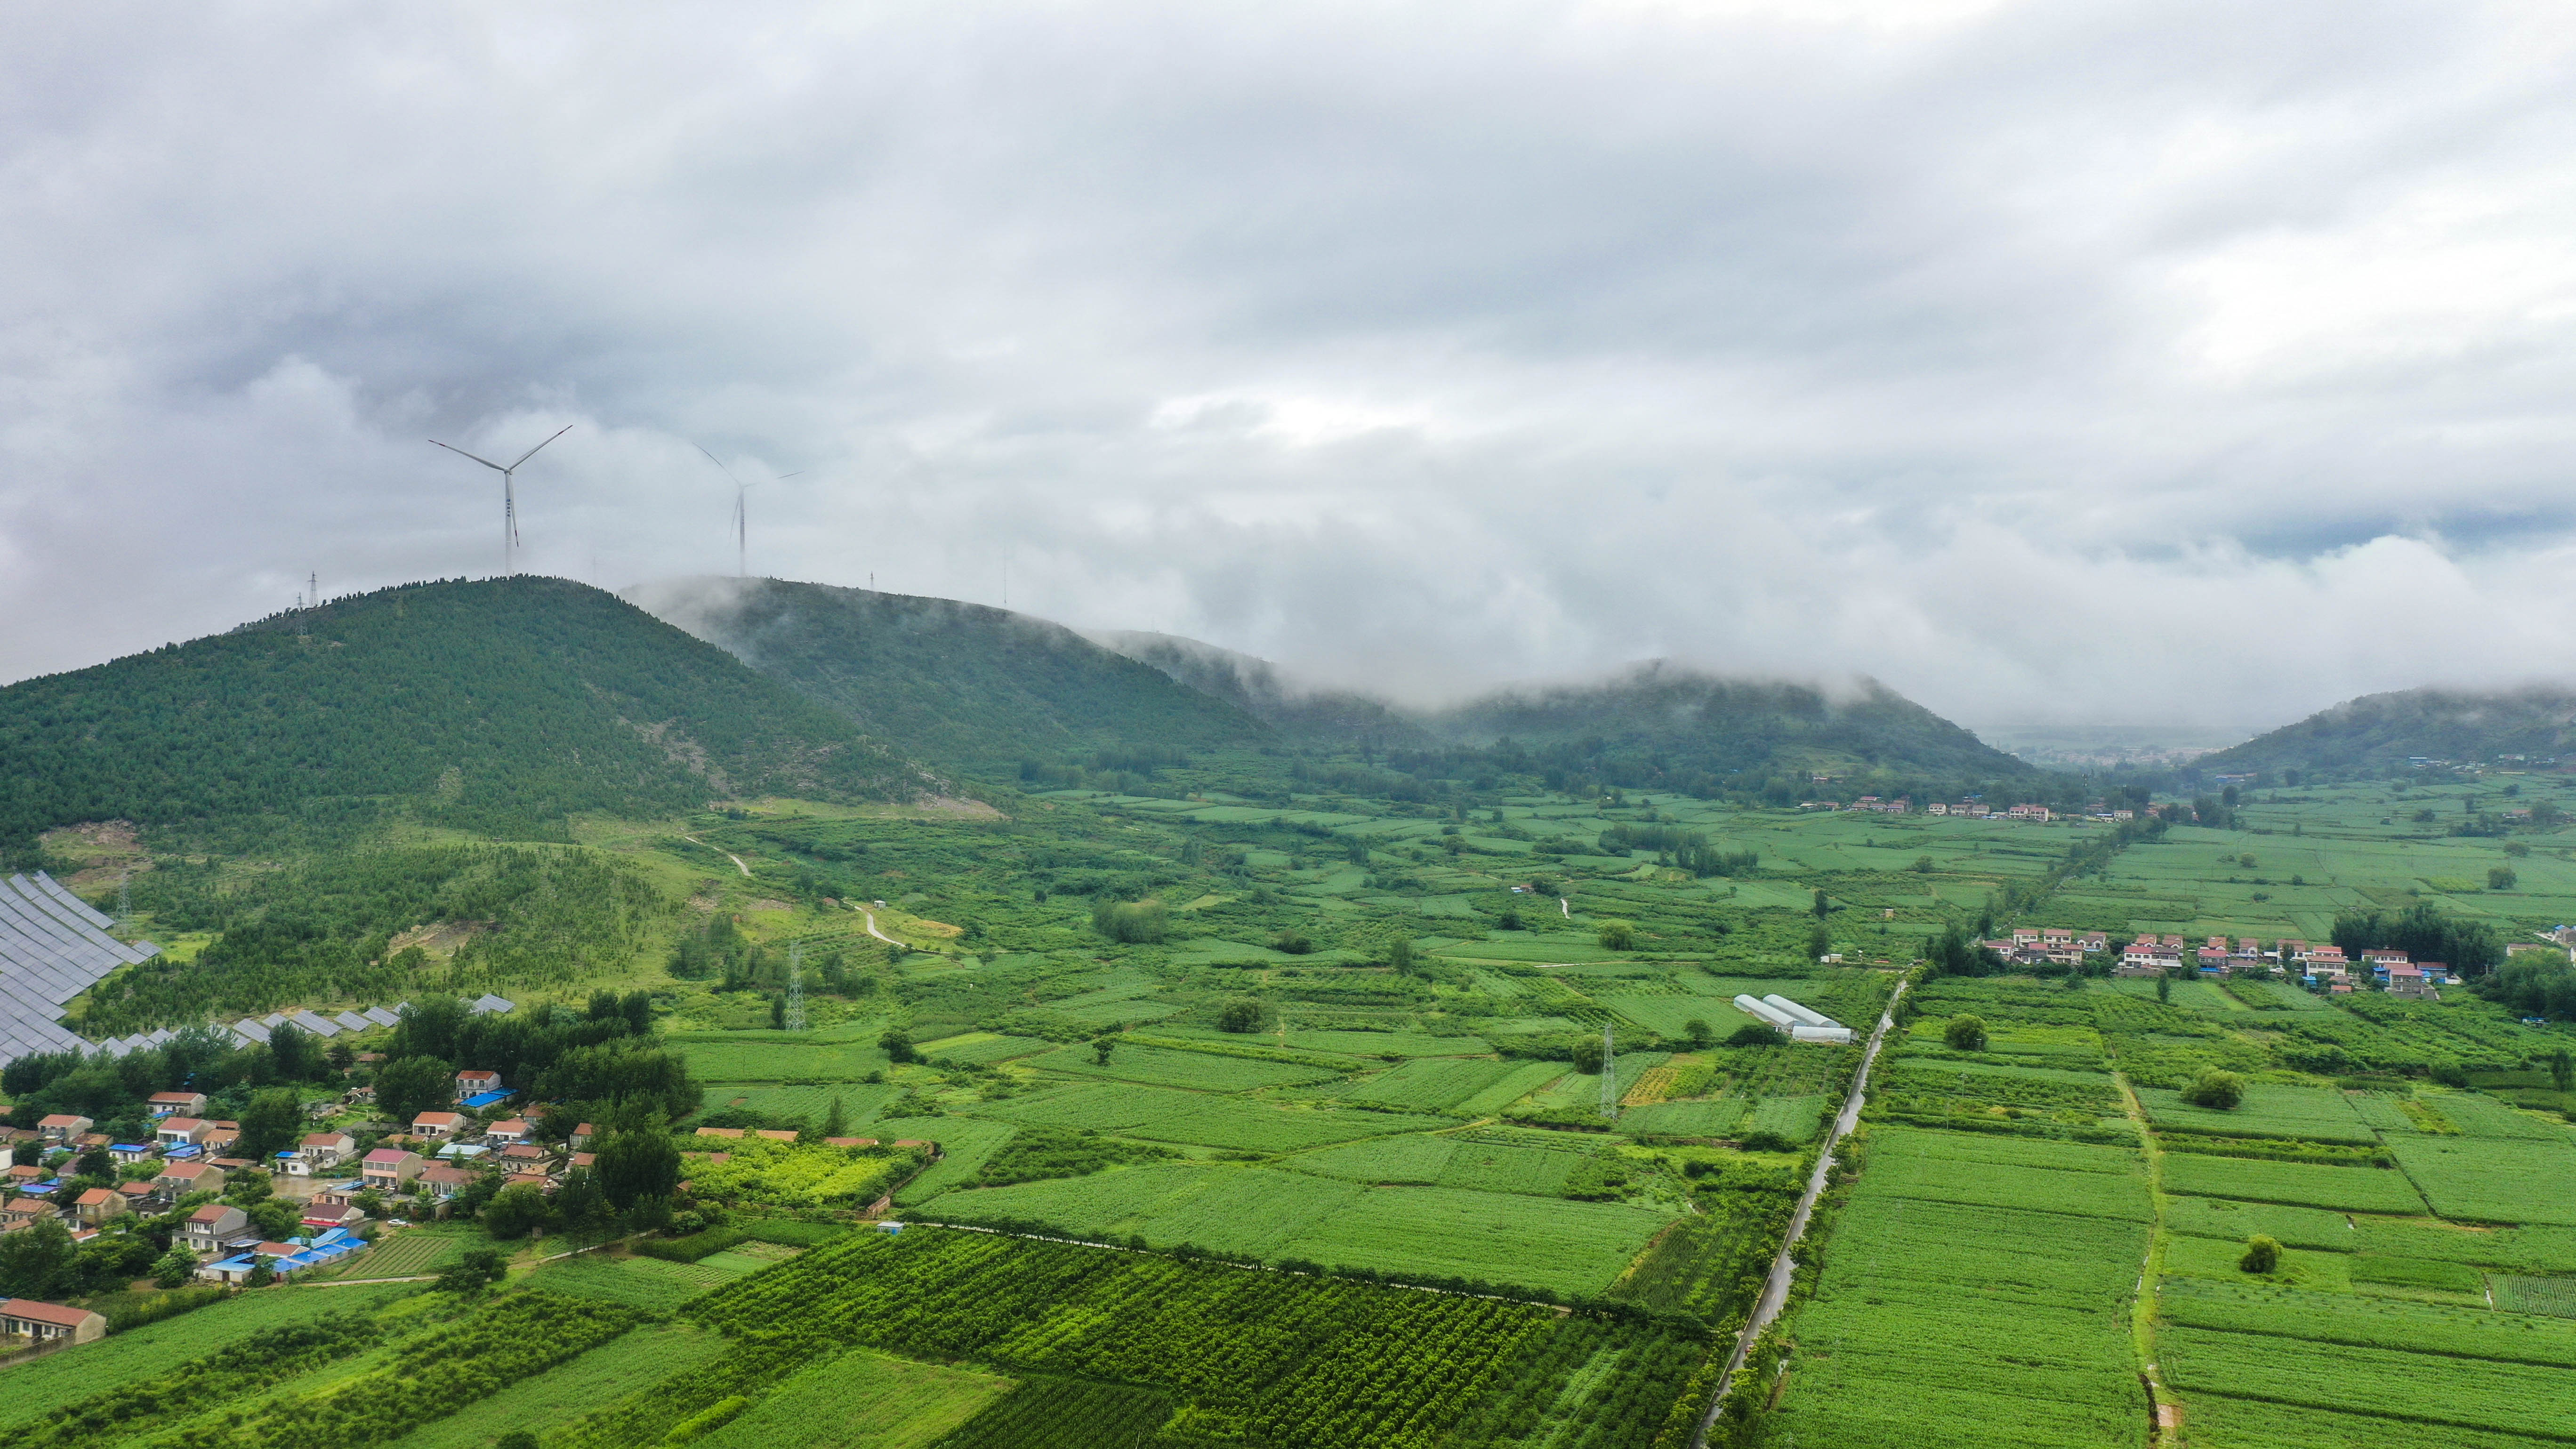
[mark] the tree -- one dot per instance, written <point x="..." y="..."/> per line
<point x="1821" y="907"/>
<point x="580" y="1205"/>
<point x="1243" y="1014"/>
<point x="1923" y="864"/>
<point x="263" y="1271"/>
<point x="271" y="1123"/>
<point x="174" y="1268"/>
<point x="637" y="1164"/>
<point x="1700" y="1033"/>
<point x="898" y="1045"/>
<point x="1101" y="1046"/>
<point x="2262" y="1254"/>
<point x="836" y="1123"/>
<point x="1587" y="1055"/>
<point x="2215" y="1089"/>
<point x="1399" y="954"/>
<point x="471" y="1272"/>
<point x="517" y="1210"/>
<point x="276" y="1218"/>
<point x="2501" y="878"/>
<point x="1755" y="1034"/>
<point x="2562" y="1070"/>
<point x="1820" y="942"/>
<point x="1965" y="1034"/>
<point x="248" y="1186"/>
<point x="1617" y="935"/>
<point x="516" y="1439"/>
<point x="297" y="1054"/>
<point x="409" y="1086"/>
<point x="2164" y="988"/>
<point x="39" y="1262"/>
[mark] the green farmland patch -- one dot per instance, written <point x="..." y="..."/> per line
<point x="861" y="1400"/>
<point x="2317" y="1114"/>
<point x="565" y="1392"/>
<point x="1435" y="1084"/>
<point x="2297" y="1227"/>
<point x="2350" y="1189"/>
<point x="1166" y="1115"/>
<point x="1164" y="1067"/>
<point x="2493" y="1180"/>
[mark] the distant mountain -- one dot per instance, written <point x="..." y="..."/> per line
<point x="499" y="706"/>
<point x="2378" y="730"/>
<point x="1721" y="725"/>
<point x="945" y="680"/>
<point x="1680" y="723"/>
<point x="1257" y="687"/>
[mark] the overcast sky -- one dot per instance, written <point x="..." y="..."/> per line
<point x="2116" y="362"/>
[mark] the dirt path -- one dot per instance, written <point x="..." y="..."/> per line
<point x="871" y="917"/>
<point x="1775" y="1292"/>
<point x="2142" y="1320"/>
<point x="727" y="854"/>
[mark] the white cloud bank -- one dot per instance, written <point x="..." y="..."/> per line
<point x="2116" y="362"/>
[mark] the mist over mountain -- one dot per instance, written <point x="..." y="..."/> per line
<point x="946" y="680"/>
<point x="500" y="705"/>
<point x="1259" y="688"/>
<point x="2377" y="731"/>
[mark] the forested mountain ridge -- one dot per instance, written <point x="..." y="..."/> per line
<point x="2379" y="730"/>
<point x="1256" y="686"/>
<point x="1733" y="724"/>
<point x="947" y="680"/>
<point x="497" y="706"/>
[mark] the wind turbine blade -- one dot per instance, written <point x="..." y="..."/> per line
<point x="719" y="462"/>
<point x="460" y="452"/>
<point x="532" y="452"/>
<point x="783" y="477"/>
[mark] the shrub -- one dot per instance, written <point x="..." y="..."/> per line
<point x="1617" y="935"/>
<point x="1754" y="1034"/>
<point x="693" y="1247"/>
<point x="1240" y="1015"/>
<point x="1965" y="1034"/>
<point x="2215" y="1089"/>
<point x="2262" y="1254"/>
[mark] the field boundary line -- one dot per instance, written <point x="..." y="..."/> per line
<point x="1775" y="1291"/>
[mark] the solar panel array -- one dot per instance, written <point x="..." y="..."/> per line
<point x="53" y="947"/>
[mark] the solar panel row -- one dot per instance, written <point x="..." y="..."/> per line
<point x="53" y="947"/>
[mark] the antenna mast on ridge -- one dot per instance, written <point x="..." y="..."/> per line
<point x="1609" y="1076"/>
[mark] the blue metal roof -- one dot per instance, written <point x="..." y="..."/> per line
<point x="480" y="1100"/>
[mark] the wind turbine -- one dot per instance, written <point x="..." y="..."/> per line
<point x="509" y="496"/>
<point x="741" y="511"/>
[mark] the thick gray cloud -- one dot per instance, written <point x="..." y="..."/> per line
<point x="2149" y="361"/>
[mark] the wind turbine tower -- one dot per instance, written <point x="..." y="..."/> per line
<point x="509" y="496"/>
<point x="741" y="512"/>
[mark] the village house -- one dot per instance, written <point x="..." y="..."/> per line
<point x="97" y="1205"/>
<point x="24" y="1212"/>
<point x="62" y="1127"/>
<point x="507" y="1131"/>
<point x="2145" y="956"/>
<point x="443" y="1180"/>
<point x="178" y="1179"/>
<point x="2408" y="980"/>
<point x="530" y="1156"/>
<point x="389" y="1169"/>
<point x="176" y="1104"/>
<point x="182" y="1131"/>
<point x="126" y="1154"/>
<point x="438" y="1126"/>
<point x="50" y="1322"/>
<point x="2029" y="812"/>
<point x="211" y="1228"/>
<point x="322" y="1151"/>
<point x="581" y="1136"/>
<point x="476" y="1082"/>
<point x="2092" y="941"/>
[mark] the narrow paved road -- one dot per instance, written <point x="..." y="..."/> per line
<point x="880" y="935"/>
<point x="1775" y="1292"/>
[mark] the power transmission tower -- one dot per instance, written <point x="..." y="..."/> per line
<point x="1609" y="1076"/>
<point x="796" y="987"/>
<point x="124" y="901"/>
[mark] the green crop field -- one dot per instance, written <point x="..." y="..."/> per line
<point x="2318" y="1114"/>
<point x="1166" y="1115"/>
<point x="30" y="1390"/>
<point x="1052" y="1413"/>
<point x="1977" y="1321"/>
<point x="2352" y="1189"/>
<point x="403" y="1253"/>
<point x="2492" y="1180"/>
<point x="717" y="1060"/>
<point x="1162" y="1067"/>
<point x="862" y="1400"/>
<point x="975" y="1048"/>
<point x="1444" y="1162"/>
<point x="2298" y="1227"/>
<point x="649" y="1284"/>
<point x="1713" y="1117"/>
<point x="564" y="1393"/>
<point x="860" y="1102"/>
<point x="965" y="1145"/>
<point x="1435" y="1084"/>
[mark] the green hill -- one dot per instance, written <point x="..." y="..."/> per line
<point x="1255" y="686"/>
<point x="496" y="706"/>
<point x="2380" y="730"/>
<point x="945" y="680"/>
<point x="1723" y="725"/>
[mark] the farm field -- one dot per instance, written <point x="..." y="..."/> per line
<point x="1167" y="1115"/>
<point x="402" y="1253"/>
<point x="646" y="1284"/>
<point x="1946" y="1313"/>
<point x="29" y="1391"/>
<point x="862" y="1400"/>
<point x="564" y="1393"/>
